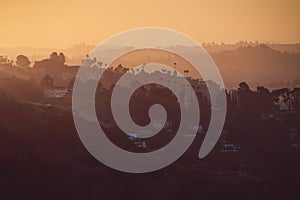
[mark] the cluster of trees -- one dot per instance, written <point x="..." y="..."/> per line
<point x="4" y="61"/>
<point x="265" y="100"/>
<point x="24" y="62"/>
<point x="55" y="60"/>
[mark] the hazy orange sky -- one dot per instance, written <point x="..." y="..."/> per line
<point x="62" y="23"/>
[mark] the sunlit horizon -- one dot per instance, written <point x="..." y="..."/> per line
<point x="61" y="24"/>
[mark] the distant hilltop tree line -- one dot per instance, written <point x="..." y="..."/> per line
<point x="23" y="61"/>
<point x="53" y="66"/>
<point x="258" y="64"/>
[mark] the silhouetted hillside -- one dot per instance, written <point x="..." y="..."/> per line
<point x="259" y="65"/>
<point x="256" y="157"/>
<point x="21" y="89"/>
<point x="43" y="158"/>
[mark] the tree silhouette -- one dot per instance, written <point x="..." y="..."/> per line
<point x="22" y="61"/>
<point x="5" y="61"/>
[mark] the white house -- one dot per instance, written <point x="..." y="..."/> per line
<point x="58" y="92"/>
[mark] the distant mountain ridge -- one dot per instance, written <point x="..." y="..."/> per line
<point x="76" y="53"/>
<point x="258" y="65"/>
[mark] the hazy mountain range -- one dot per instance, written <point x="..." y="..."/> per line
<point x="76" y="53"/>
<point x="271" y="65"/>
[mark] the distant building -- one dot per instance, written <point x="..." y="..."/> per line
<point x="198" y="128"/>
<point x="141" y="144"/>
<point x="230" y="148"/>
<point x="134" y="138"/>
<point x="160" y="124"/>
<point x="57" y="92"/>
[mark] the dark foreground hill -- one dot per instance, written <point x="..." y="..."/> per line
<point x="43" y="158"/>
<point x="21" y="89"/>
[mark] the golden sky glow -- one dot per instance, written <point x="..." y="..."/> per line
<point x="62" y="23"/>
